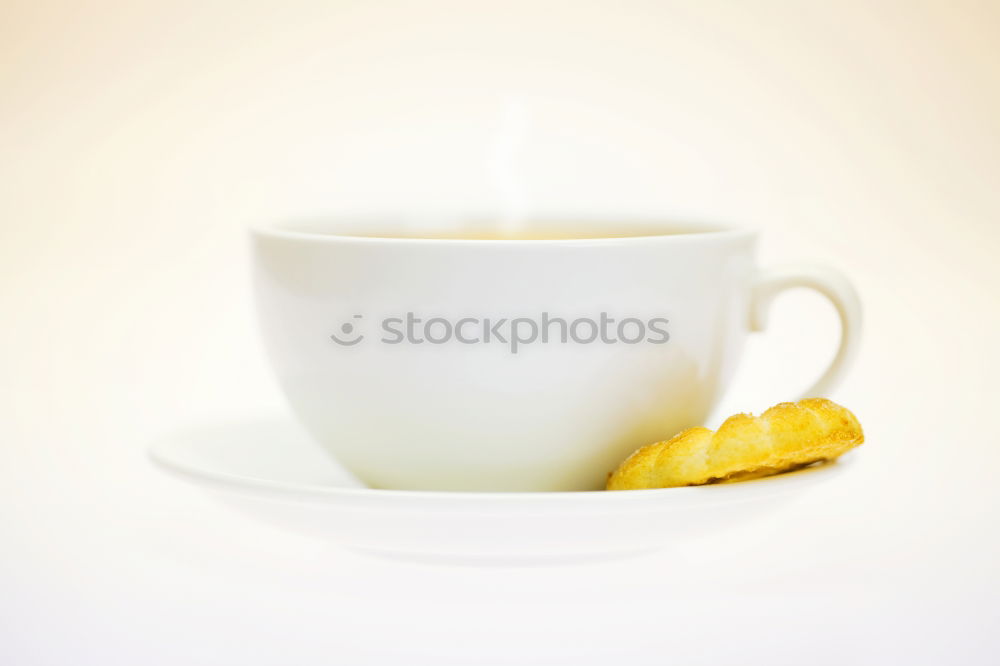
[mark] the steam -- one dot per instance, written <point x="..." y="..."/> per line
<point x="506" y="166"/>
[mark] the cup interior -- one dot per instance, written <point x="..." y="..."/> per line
<point x="475" y="228"/>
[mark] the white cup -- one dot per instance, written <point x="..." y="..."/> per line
<point x="457" y="363"/>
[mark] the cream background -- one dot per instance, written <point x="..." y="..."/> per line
<point x="136" y="141"/>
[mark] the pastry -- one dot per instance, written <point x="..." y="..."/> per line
<point x="785" y="437"/>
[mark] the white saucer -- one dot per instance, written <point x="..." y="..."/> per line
<point x="274" y="472"/>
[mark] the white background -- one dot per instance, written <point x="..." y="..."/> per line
<point x="137" y="140"/>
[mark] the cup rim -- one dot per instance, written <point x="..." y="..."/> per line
<point x="674" y="230"/>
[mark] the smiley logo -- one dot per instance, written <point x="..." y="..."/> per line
<point x="348" y="329"/>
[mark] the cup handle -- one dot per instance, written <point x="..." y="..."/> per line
<point x="832" y="284"/>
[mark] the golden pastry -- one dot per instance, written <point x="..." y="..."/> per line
<point x="788" y="436"/>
